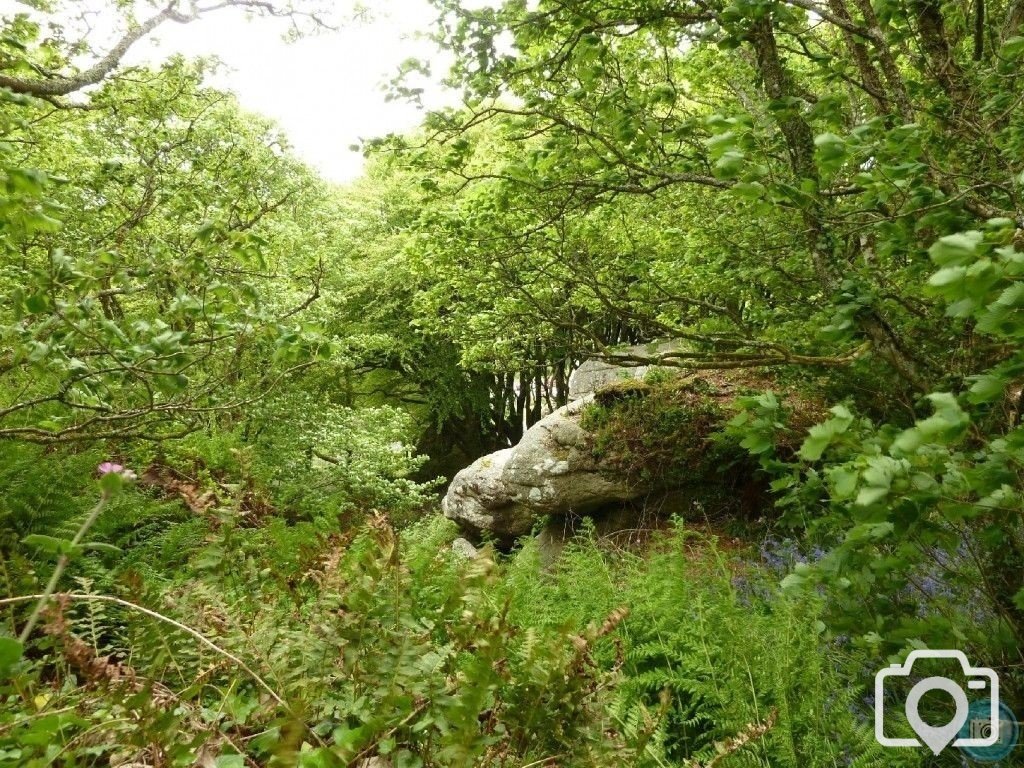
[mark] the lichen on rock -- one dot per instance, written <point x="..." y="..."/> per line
<point x="552" y="471"/>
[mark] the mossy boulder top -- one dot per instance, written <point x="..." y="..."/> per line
<point x="596" y="374"/>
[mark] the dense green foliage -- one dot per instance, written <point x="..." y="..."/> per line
<point x="229" y="391"/>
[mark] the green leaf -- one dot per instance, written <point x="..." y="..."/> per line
<point x="870" y="532"/>
<point x="1000" y="318"/>
<point x="820" y="436"/>
<point x="988" y="387"/>
<point x="10" y="653"/>
<point x="792" y="582"/>
<point x="1018" y="599"/>
<point x="1012" y="48"/>
<point x="870" y="495"/>
<point x="947" y="424"/>
<point x="955" y="249"/>
<point x="756" y="443"/>
<point x="749" y="190"/>
<point x="206" y="232"/>
<point x="51" y="544"/>
<point x="947" y="276"/>
<point x="830" y="146"/>
<point x="37" y="351"/>
<point x="37" y="302"/>
<point x="730" y="163"/>
<point x="844" y="482"/>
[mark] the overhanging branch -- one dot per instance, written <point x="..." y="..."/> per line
<point x="62" y="86"/>
<point x="50" y="88"/>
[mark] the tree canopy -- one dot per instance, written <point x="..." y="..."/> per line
<point x="231" y="392"/>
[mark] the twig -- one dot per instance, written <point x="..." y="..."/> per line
<point x="160" y="617"/>
<point x="62" y="564"/>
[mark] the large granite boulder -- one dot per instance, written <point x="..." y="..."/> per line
<point x="552" y="471"/>
<point x="651" y="437"/>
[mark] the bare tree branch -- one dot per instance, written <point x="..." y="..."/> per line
<point x="51" y="88"/>
<point x="62" y="86"/>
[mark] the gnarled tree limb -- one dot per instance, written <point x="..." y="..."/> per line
<point x="50" y="88"/>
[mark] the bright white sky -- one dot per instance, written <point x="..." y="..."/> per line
<point x="325" y="91"/>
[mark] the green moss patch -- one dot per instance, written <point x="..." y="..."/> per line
<point x="660" y="433"/>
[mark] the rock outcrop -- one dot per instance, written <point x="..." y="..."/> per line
<point x="552" y="471"/>
<point x="463" y="548"/>
<point x="651" y="439"/>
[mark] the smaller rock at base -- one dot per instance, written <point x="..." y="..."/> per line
<point x="464" y="549"/>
